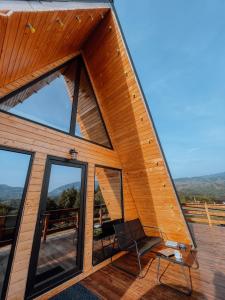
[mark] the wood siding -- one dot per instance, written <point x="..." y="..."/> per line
<point x="132" y="132"/>
<point x="21" y="134"/>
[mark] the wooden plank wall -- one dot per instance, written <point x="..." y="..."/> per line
<point x="133" y="135"/>
<point x="88" y="116"/>
<point x="17" y="133"/>
<point x="109" y="182"/>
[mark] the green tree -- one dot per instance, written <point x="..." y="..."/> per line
<point x="70" y="198"/>
<point x="51" y="204"/>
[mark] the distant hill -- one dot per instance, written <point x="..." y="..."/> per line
<point x="208" y="186"/>
<point x="13" y="193"/>
<point x="211" y="187"/>
<point x="58" y="191"/>
<point x="9" y="192"/>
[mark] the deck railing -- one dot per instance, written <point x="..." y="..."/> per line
<point x="58" y="220"/>
<point x="100" y="214"/>
<point x="53" y="221"/>
<point x="211" y="214"/>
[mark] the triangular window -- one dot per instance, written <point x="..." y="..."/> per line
<point x="89" y="121"/>
<point x="62" y="99"/>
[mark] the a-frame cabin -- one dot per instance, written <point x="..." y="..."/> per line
<point x="77" y="145"/>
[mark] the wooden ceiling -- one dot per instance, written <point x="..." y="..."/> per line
<point x="31" y="40"/>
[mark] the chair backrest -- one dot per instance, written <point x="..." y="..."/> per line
<point x="136" y="229"/>
<point x="108" y="229"/>
<point x="123" y="235"/>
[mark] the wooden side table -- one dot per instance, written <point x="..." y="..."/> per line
<point x="188" y="262"/>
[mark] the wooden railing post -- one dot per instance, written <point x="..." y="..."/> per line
<point x="100" y="215"/>
<point x="45" y="227"/>
<point x="207" y="214"/>
<point x="2" y="227"/>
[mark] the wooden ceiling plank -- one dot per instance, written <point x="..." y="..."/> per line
<point x="69" y="25"/>
<point x="43" y="43"/>
<point x="36" y="20"/>
<point x="28" y="36"/>
<point x="38" y="41"/>
<point x="73" y="35"/>
<point x="54" y="40"/>
<point x="3" y="27"/>
<point x="11" y="50"/>
<point x="7" y="49"/>
<point x="17" y="49"/>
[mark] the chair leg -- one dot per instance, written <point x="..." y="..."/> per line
<point x="138" y="274"/>
<point x="113" y="245"/>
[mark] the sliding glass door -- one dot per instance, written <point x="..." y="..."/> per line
<point x="58" y="243"/>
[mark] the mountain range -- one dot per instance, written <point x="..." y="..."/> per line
<point x="58" y="191"/>
<point x="10" y="192"/>
<point x="208" y="186"/>
<point x="13" y="193"/>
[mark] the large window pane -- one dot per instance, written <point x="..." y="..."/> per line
<point x="13" y="172"/>
<point x="49" y="101"/>
<point x="90" y="124"/>
<point x="108" y="210"/>
<point x="58" y="252"/>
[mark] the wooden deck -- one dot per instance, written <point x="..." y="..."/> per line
<point x="208" y="280"/>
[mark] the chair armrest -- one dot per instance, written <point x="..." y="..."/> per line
<point x="125" y="238"/>
<point x="157" y="228"/>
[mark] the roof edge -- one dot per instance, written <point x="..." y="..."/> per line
<point x="34" y="5"/>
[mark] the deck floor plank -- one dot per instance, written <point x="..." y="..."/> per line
<point x="208" y="281"/>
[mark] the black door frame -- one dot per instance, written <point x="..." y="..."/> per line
<point x="121" y="203"/>
<point x="31" y="291"/>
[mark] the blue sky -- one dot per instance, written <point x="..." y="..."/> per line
<point x="13" y="168"/>
<point x="178" y="48"/>
<point x="62" y="175"/>
<point x="42" y="106"/>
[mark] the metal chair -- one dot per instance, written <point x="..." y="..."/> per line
<point x="106" y="235"/>
<point x="130" y="237"/>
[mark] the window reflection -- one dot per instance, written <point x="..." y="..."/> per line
<point x="58" y="250"/>
<point x="90" y="124"/>
<point x="13" y="172"/>
<point x="49" y="101"/>
<point x="108" y="210"/>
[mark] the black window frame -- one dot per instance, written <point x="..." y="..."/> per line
<point x="19" y="217"/>
<point x="73" y="116"/>
<point x="32" y="292"/>
<point x="122" y="203"/>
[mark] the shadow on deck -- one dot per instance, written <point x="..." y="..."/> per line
<point x="208" y="281"/>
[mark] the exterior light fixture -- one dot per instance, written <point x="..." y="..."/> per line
<point x="73" y="154"/>
<point x="31" y="27"/>
<point x="78" y="19"/>
<point x="59" y="22"/>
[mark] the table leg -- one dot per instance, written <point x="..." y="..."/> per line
<point x="188" y="288"/>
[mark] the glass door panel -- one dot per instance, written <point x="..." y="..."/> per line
<point x="108" y="211"/>
<point x="60" y="226"/>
